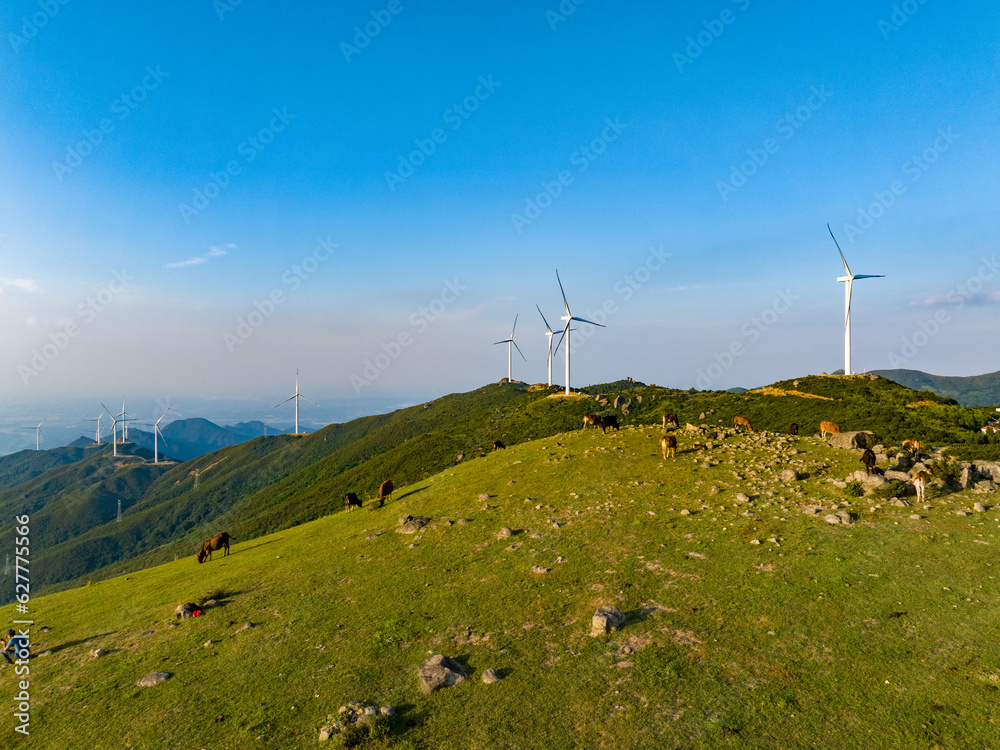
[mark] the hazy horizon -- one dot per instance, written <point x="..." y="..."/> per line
<point x="371" y="192"/>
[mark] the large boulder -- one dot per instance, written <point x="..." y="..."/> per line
<point x="848" y="440"/>
<point x="411" y="524"/>
<point x="440" y="671"/>
<point x="606" y="620"/>
<point x="991" y="468"/>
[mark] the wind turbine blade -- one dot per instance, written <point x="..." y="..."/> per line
<point x="870" y="276"/>
<point x="589" y="321"/>
<point x="285" y="401"/>
<point x="513" y="329"/>
<point x="309" y="400"/>
<point x="501" y="342"/>
<point x="839" y="250"/>
<point x="563" y="293"/>
<point x="518" y="350"/>
<point x="556" y="350"/>
<point x="543" y="319"/>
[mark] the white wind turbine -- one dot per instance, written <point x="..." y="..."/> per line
<point x="114" y="430"/>
<point x="569" y="318"/>
<point x="550" y="333"/>
<point x="510" y="342"/>
<point x="156" y="432"/>
<point x="38" y="432"/>
<point x="296" y="396"/>
<point x="100" y="424"/>
<point x="849" y="279"/>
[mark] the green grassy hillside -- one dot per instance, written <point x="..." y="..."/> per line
<point x="274" y="483"/>
<point x="750" y="624"/>
<point x="976" y="390"/>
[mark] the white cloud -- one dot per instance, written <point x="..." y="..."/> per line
<point x="213" y="252"/>
<point x="24" y="285"/>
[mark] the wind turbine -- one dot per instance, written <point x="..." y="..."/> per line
<point x="296" y="396"/>
<point x="114" y="431"/>
<point x="156" y="432"/>
<point x="508" y="342"/>
<point x="550" y="333"/>
<point x="849" y="279"/>
<point x="569" y="318"/>
<point x="38" y="431"/>
<point x="100" y="424"/>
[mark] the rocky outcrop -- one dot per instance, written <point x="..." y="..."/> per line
<point x="440" y="671"/>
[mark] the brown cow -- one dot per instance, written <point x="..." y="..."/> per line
<point x="742" y="422"/>
<point x="794" y="429"/>
<point x="920" y="480"/>
<point x="593" y="419"/>
<point x="220" y="541"/>
<point x="669" y="445"/>
<point x="670" y="418"/>
<point x="384" y="491"/>
<point x="825" y="427"/>
<point x="915" y="447"/>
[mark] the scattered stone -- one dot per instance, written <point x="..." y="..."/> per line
<point x="245" y="626"/>
<point x="462" y="521"/>
<point x="685" y="512"/>
<point x="505" y="533"/>
<point x="146" y="632"/>
<point x="831" y="518"/>
<point x="209" y="643"/>
<point x="387" y="711"/>
<point x="742" y="497"/>
<point x="846" y="517"/>
<point x="979" y="508"/>
<point x="440" y="671"/>
<point x="606" y="620"/>
<point x="411" y="524"/>
<point x="755" y="541"/>
<point x="97" y="652"/>
<point x="490" y="676"/>
<point x="483" y="497"/>
<point x="962" y="513"/>
<point x="914" y="516"/>
<point x="789" y="475"/>
<point x="901" y="503"/>
<point x="699" y="555"/>
<point x="210" y="603"/>
<point x="153" y="678"/>
<point x="560" y="559"/>
<point x="538" y="569"/>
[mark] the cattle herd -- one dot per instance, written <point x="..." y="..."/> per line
<point x="668" y="445"/>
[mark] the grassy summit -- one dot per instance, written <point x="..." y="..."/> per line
<point x="751" y="624"/>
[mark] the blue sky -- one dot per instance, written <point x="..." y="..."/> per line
<point x="171" y="171"/>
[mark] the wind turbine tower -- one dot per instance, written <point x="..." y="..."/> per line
<point x="569" y="318"/>
<point x="550" y="333"/>
<point x="509" y="342"/>
<point x="849" y="280"/>
<point x="38" y="432"/>
<point x="156" y="434"/>
<point x="296" y="396"/>
<point x="114" y="431"/>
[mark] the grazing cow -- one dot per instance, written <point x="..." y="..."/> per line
<point x="384" y="491"/>
<point x="920" y="480"/>
<point x="593" y="419"/>
<point x="610" y="421"/>
<point x="869" y="460"/>
<point x="860" y="441"/>
<point x="915" y="447"/>
<point x="670" y="418"/>
<point x="220" y="541"/>
<point x="825" y="427"/>
<point x="497" y="445"/>
<point x="742" y="422"/>
<point x="794" y="429"/>
<point x="351" y="501"/>
<point x="668" y="443"/>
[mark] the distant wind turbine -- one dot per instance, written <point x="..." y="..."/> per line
<point x="849" y="279"/>
<point x="100" y="424"/>
<point x="38" y="432"/>
<point x="296" y="396"/>
<point x="569" y="318"/>
<point x="114" y="431"/>
<point x="550" y="333"/>
<point x="509" y="342"/>
<point x="156" y="432"/>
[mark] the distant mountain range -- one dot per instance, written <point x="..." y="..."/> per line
<point x="190" y="438"/>
<point x="975" y="390"/>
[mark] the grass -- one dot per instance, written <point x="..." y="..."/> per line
<point x="873" y="635"/>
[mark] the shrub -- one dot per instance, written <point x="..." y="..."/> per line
<point x="854" y="489"/>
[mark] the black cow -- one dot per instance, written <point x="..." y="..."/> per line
<point x="351" y="501"/>
<point x="609" y="421"/>
<point x="497" y="445"/>
<point x="794" y="429"/>
<point x="869" y="460"/>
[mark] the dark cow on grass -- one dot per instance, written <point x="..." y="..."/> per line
<point x="221" y="541"/>
<point x="351" y="501"/>
<point x="610" y="421"/>
<point x="670" y="419"/>
<point x="497" y="445"/>
<point x="869" y="460"/>
<point x="794" y="429"/>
